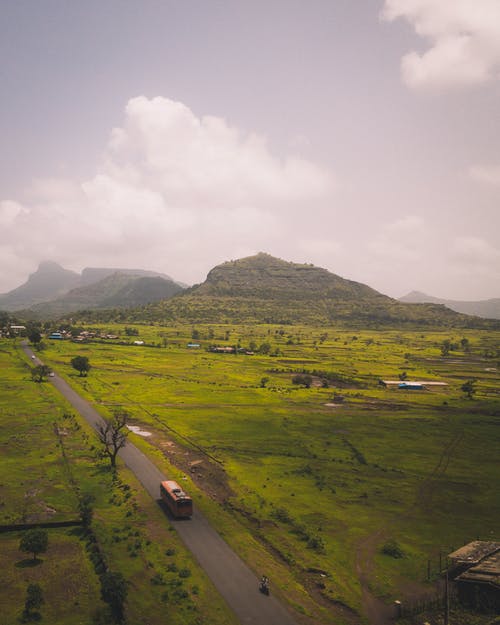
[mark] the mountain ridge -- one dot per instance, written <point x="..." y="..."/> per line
<point x="488" y="308"/>
<point x="51" y="282"/>
<point x="265" y="289"/>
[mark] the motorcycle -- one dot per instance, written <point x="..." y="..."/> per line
<point x="264" y="586"/>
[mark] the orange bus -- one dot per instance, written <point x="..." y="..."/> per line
<point x="177" y="501"/>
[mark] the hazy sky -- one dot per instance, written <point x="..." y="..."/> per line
<point x="359" y="135"/>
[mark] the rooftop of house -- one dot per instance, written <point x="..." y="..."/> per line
<point x="486" y="572"/>
<point x="474" y="552"/>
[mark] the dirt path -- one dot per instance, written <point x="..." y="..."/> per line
<point x="375" y="610"/>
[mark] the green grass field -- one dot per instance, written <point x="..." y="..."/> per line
<point x="315" y="478"/>
<point x="47" y="462"/>
<point x="321" y="477"/>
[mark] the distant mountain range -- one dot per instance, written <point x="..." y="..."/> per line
<point x="53" y="291"/>
<point x="489" y="308"/>
<point x="256" y="289"/>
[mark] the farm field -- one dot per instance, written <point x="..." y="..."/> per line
<point x="48" y="462"/>
<point x="351" y="488"/>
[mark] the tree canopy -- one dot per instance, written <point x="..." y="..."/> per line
<point x="39" y="372"/>
<point x="81" y="364"/>
<point x="34" y="541"/>
<point x="114" y="592"/>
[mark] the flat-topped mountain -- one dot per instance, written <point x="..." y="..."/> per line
<point x="48" y="282"/>
<point x="53" y="290"/>
<point x="264" y="289"/>
<point x="488" y="308"/>
<point x="265" y="276"/>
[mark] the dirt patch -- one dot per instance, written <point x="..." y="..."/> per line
<point x="207" y="474"/>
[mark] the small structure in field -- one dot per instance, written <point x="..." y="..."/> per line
<point x="475" y="568"/>
<point x="411" y="386"/>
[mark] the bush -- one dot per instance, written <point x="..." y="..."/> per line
<point x="317" y="544"/>
<point x="281" y="514"/>
<point x="303" y="379"/>
<point x="391" y="548"/>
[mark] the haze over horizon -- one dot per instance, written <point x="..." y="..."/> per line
<point x="360" y="137"/>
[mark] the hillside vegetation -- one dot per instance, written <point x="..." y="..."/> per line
<point x="264" y="289"/>
<point x="118" y="290"/>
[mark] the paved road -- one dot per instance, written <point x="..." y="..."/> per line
<point x="230" y="575"/>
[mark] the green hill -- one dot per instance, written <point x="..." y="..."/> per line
<point x="118" y="290"/>
<point x="264" y="289"/>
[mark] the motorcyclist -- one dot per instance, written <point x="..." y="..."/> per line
<point x="264" y="584"/>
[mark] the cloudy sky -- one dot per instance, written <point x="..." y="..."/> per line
<point x="359" y="135"/>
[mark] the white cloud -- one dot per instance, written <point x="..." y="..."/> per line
<point x="401" y="241"/>
<point x="489" y="174"/>
<point x="475" y="253"/>
<point x="464" y="38"/>
<point x="9" y="213"/>
<point x="171" y="191"/>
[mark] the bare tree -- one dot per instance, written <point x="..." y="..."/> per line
<point x="113" y="435"/>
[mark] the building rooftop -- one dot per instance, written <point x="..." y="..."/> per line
<point x="486" y="572"/>
<point x="474" y="552"/>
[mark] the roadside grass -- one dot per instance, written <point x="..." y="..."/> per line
<point x="315" y="474"/>
<point x="48" y="461"/>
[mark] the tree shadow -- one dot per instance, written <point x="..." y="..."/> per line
<point x="77" y="531"/>
<point x="28" y="563"/>
<point x="30" y="617"/>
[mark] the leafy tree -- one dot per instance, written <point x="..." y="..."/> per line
<point x="33" y="602"/>
<point x="469" y="388"/>
<point x="114" y="592"/>
<point x="81" y="364"/>
<point x="403" y="376"/>
<point x="34" y="336"/>
<point x="131" y="331"/>
<point x="445" y="347"/>
<point x="302" y="379"/>
<point x="265" y="348"/>
<point x="34" y="541"/>
<point x="86" y="510"/>
<point x="465" y="345"/>
<point x="113" y="435"/>
<point x="39" y="372"/>
<point x="264" y="381"/>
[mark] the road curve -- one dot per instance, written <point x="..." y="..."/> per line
<point x="230" y="575"/>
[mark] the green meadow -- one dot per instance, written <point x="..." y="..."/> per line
<point x="48" y="462"/>
<point x="337" y="488"/>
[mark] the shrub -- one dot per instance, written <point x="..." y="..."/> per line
<point x="391" y="548"/>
